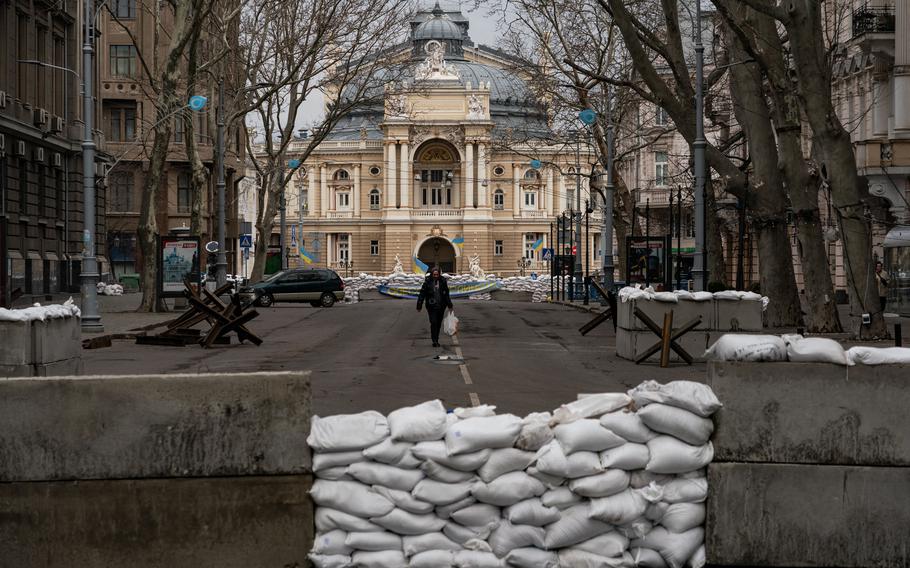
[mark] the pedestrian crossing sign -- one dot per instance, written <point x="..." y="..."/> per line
<point x="547" y="254"/>
<point x="246" y="241"/>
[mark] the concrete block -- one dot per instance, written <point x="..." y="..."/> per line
<point x="684" y="311"/>
<point x="631" y="344"/>
<point x="738" y="315"/>
<point x="15" y="343"/>
<point x="812" y="413"/>
<point x="65" y="368"/>
<point x="56" y="339"/>
<point x="807" y="515"/>
<point x="231" y="522"/>
<point x="22" y="370"/>
<point x="149" y="426"/>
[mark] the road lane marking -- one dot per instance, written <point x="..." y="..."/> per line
<point x="475" y="400"/>
<point x="465" y="374"/>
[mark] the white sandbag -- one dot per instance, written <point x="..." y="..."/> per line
<point x="423" y="422"/>
<point x="441" y="493"/>
<point x="531" y="512"/>
<point x="561" y="498"/>
<point x="532" y="558"/>
<point x="656" y="511"/>
<point x="589" y="406"/>
<point x="462" y="534"/>
<point x="503" y="461"/>
<point x="437" y="452"/>
<point x="667" y="297"/>
<point x="603" y="484"/>
<point x="445" y="474"/>
<point x="669" y="455"/>
<point x="350" y="497"/>
<point x="446" y="511"/>
<point x="680" y="490"/>
<point x="373" y="541"/>
<point x="339" y="473"/>
<point x="609" y="544"/>
<point x="402" y="522"/>
<point x="677" y="422"/>
<point x="878" y="355"/>
<point x="621" y="508"/>
<point x="629" y="456"/>
<point x="675" y="548"/>
<point x="688" y="395"/>
<point x="507" y="537"/>
<point x="474" y="434"/>
<point x="699" y="559"/>
<point x="373" y="473"/>
<point x="330" y="560"/>
<point x="477" y="515"/>
<point x="552" y="460"/>
<point x="331" y="543"/>
<point x="408" y="461"/>
<point x="586" y="435"/>
<point x="433" y="559"/>
<point x="743" y="347"/>
<point x="508" y="489"/>
<point x="382" y="559"/>
<point x="474" y="559"/>
<point x="577" y="558"/>
<point x="344" y="432"/>
<point x="627" y="425"/>
<point x="814" y="350"/>
<point x="388" y="452"/>
<point x="404" y="500"/>
<point x="728" y="295"/>
<point x="535" y="431"/>
<point x="328" y="519"/>
<point x="681" y="517"/>
<point x="478" y="544"/>
<point x="574" y="525"/>
<point x="549" y="481"/>
<point x="636" y="529"/>
<point x="647" y="558"/>
<point x="431" y="541"/>
<point x="328" y="460"/>
<point x="642" y="478"/>
<point x="475" y="411"/>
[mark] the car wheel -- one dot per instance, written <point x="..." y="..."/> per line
<point x="327" y="300"/>
<point x="265" y="300"/>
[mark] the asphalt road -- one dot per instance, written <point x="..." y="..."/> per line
<point x="521" y="357"/>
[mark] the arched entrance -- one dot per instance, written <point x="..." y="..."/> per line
<point x="437" y="250"/>
<point x="437" y="175"/>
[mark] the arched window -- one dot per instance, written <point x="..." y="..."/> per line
<point x="341" y="175"/>
<point x="374" y="199"/>
<point x="532" y="176"/>
<point x="499" y="200"/>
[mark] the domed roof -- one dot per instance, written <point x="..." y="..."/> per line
<point x="439" y="27"/>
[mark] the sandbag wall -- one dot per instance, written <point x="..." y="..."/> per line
<point x="608" y="480"/>
<point x="512" y="288"/>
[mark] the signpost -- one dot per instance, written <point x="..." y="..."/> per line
<point x="246" y="241"/>
<point x="547" y="254"/>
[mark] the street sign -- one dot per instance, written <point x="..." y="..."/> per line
<point x="547" y="254"/>
<point x="574" y="250"/>
<point x="246" y="241"/>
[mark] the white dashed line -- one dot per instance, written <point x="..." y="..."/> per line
<point x="475" y="400"/>
<point x="465" y="374"/>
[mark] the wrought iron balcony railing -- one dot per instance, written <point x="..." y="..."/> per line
<point x="868" y="20"/>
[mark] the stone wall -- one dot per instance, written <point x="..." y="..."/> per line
<point x="38" y="348"/>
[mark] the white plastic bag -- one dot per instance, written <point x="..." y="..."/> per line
<point x="681" y="490"/>
<point x="677" y="422"/>
<point x="561" y="498"/>
<point x="344" y="432"/>
<point x="744" y="347"/>
<point x="609" y="544"/>
<point x="328" y="460"/>
<point x="508" y="489"/>
<point x="475" y="559"/>
<point x="578" y="558"/>
<point x="418" y="423"/>
<point x="682" y="517"/>
<point x="446" y="511"/>
<point x="450" y="323"/>
<point x="647" y="558"/>
<point x="535" y="431"/>
<point x="339" y="473"/>
<point x="814" y="350"/>
<point x="592" y="405"/>
<point x="670" y="455"/>
<point x="688" y="395"/>
<point x="475" y="434"/>
<point x="350" y="497"/>
<point x="385" y="451"/>
<point x="433" y="559"/>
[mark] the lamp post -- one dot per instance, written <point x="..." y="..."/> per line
<point x="699" y="267"/>
<point x="221" y="259"/>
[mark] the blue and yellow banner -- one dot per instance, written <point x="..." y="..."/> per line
<point x="538" y="244"/>
<point x="458" y="242"/>
<point x="418" y="267"/>
<point x="455" y="290"/>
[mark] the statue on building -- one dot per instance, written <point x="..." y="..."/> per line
<point x="398" y="269"/>
<point x="475" y="269"/>
<point x="434" y="67"/>
<point x="475" y="108"/>
<point x="396" y="106"/>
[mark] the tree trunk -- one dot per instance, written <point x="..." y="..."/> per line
<point x="199" y="174"/>
<point x="714" y="244"/>
<point x="265" y="222"/>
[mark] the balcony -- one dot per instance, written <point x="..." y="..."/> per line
<point x="340" y="214"/>
<point x="873" y="20"/>
<point x="654" y="197"/>
<point x="437" y="213"/>
<point x="533" y="214"/>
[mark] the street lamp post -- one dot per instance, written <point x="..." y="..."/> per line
<point x="699" y="268"/>
<point x="607" y="235"/>
<point x="221" y="259"/>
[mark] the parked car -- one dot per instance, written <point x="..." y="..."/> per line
<point x="318" y="286"/>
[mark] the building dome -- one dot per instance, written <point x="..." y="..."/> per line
<point x="438" y="27"/>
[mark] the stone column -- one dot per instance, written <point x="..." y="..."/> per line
<point x="390" y="197"/>
<point x="881" y="105"/>
<point x="482" y="198"/>
<point x="561" y="202"/>
<point x="902" y="68"/>
<point x="323" y="191"/>
<point x="516" y="190"/>
<point x="311" y="192"/>
<point x="356" y="196"/>
<point x="548" y="197"/>
<point x="469" y="177"/>
<point x="406" y="173"/>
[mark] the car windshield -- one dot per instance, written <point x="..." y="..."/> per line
<point x="275" y="276"/>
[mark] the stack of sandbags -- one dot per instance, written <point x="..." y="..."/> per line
<point x="608" y="480"/>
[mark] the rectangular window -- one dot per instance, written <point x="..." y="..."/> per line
<point x="124" y="9"/>
<point x="497" y="248"/>
<point x="661" y="169"/>
<point x="530" y="240"/>
<point x="42" y="189"/>
<point x="122" y="192"/>
<point x="437" y="196"/>
<point x="498" y="200"/>
<point x="436" y="176"/>
<point x="123" y="60"/>
<point x="424" y="196"/>
<point x="59" y="75"/>
<point x="374" y="200"/>
<point x="374" y="248"/>
<point x="121" y="121"/>
<point x="42" y="72"/>
<point x="344" y="200"/>
<point x="661" y="118"/>
<point x="344" y="251"/>
<point x="179" y="130"/>
<point x="23" y="69"/>
<point x="530" y="199"/>
<point x="183" y="192"/>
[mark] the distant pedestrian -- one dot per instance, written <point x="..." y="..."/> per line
<point x="883" y="281"/>
<point x="435" y="292"/>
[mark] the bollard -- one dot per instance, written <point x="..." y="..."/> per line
<point x="898" y="339"/>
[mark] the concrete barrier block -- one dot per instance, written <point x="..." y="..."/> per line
<point x="23" y="370"/>
<point x="56" y="339"/>
<point x="15" y="343"/>
<point x="65" y="368"/>
<point x="230" y="522"/>
<point x="812" y="413"/>
<point x="153" y="426"/>
<point x="807" y="515"/>
<point x="631" y="344"/>
<point x="684" y="311"/>
<point x="738" y="315"/>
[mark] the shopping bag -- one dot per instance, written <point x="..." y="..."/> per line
<point x="450" y="323"/>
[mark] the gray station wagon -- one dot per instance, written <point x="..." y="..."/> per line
<point x="318" y="286"/>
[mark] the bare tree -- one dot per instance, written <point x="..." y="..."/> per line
<point x="309" y="47"/>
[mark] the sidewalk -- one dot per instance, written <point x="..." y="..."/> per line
<point x="119" y="315"/>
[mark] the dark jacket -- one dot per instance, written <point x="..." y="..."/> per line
<point x="426" y="294"/>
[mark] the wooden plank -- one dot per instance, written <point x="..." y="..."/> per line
<point x="598" y="319"/>
<point x="665" y="340"/>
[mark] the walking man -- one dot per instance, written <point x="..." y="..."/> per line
<point x="881" y="278"/>
<point x="435" y="292"/>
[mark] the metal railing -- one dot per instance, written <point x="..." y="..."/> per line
<point x="873" y="20"/>
<point x="437" y="213"/>
<point x="340" y="214"/>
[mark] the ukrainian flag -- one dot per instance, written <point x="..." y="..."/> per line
<point x="304" y="256"/>
<point x="538" y="244"/>
<point x="458" y="242"/>
<point x="419" y="267"/>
